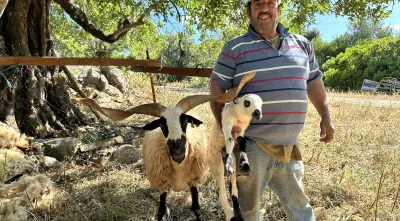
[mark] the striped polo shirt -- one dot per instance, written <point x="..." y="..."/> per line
<point x="281" y="80"/>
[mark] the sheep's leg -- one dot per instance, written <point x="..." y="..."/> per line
<point x="217" y="170"/>
<point x="195" y="202"/>
<point x="229" y="144"/>
<point x="244" y="161"/>
<point x="162" y="210"/>
<point x="234" y="196"/>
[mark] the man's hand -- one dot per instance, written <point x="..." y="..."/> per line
<point x="327" y="131"/>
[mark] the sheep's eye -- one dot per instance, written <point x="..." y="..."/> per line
<point x="247" y="103"/>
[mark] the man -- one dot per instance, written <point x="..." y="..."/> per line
<point x="287" y="75"/>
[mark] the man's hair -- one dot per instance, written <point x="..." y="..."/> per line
<point x="249" y="3"/>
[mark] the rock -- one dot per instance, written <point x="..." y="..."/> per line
<point x="50" y="162"/>
<point x="126" y="154"/>
<point x="112" y="91"/>
<point x="115" y="77"/>
<point x="60" y="148"/>
<point x="94" y="77"/>
<point x="101" y="144"/>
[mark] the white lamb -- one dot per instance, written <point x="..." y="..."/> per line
<point x="174" y="155"/>
<point x="239" y="112"/>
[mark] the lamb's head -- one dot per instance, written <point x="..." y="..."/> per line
<point x="173" y="121"/>
<point x="251" y="105"/>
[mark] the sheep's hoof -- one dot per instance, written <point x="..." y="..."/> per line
<point x="244" y="170"/>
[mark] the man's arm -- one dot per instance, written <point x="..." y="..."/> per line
<point x="216" y="107"/>
<point x="317" y="95"/>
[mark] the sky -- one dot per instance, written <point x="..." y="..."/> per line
<point x="331" y="26"/>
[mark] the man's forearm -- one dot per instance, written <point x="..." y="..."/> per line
<point x="216" y="107"/>
<point x="317" y="95"/>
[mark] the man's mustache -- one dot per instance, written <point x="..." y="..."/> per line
<point x="264" y="13"/>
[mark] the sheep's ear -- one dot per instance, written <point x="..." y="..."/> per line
<point x="152" y="125"/>
<point x="192" y="120"/>
<point x="236" y="100"/>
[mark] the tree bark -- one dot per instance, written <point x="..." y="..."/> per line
<point x="38" y="96"/>
<point x="3" y="4"/>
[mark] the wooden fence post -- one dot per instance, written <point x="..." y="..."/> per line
<point x="153" y="91"/>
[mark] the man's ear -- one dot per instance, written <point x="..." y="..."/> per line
<point x="152" y="125"/>
<point x="248" y="10"/>
<point x="193" y="120"/>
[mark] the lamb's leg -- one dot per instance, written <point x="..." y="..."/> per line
<point x="234" y="197"/>
<point x="229" y="144"/>
<point x="195" y="202"/>
<point x="162" y="210"/>
<point x="244" y="161"/>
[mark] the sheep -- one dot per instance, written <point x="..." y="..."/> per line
<point x="239" y="112"/>
<point x="174" y="155"/>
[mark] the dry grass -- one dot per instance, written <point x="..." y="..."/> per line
<point x="341" y="178"/>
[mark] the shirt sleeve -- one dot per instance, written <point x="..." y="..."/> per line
<point x="315" y="72"/>
<point x="224" y="69"/>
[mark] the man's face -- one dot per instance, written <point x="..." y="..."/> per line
<point x="264" y="15"/>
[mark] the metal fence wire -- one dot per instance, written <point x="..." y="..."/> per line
<point x="110" y="86"/>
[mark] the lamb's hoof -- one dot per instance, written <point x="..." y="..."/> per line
<point x="244" y="170"/>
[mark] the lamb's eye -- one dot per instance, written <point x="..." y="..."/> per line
<point x="247" y="103"/>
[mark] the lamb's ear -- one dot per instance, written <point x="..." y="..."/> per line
<point x="152" y="125"/>
<point x="236" y="100"/>
<point x="192" y="120"/>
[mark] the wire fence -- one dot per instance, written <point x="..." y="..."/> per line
<point x="126" y="88"/>
<point x="50" y="88"/>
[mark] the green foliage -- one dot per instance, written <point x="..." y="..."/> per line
<point x="370" y="59"/>
<point x="184" y="52"/>
<point x="227" y="18"/>
<point x="358" y="31"/>
<point x="70" y="40"/>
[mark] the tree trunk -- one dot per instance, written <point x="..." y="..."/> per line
<point x="38" y="97"/>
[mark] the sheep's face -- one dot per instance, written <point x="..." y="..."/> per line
<point x="173" y="123"/>
<point x="251" y="104"/>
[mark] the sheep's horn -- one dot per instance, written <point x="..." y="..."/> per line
<point x="190" y="102"/>
<point x="153" y="109"/>
<point x="232" y="94"/>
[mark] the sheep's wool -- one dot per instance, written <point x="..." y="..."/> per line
<point x="16" y="198"/>
<point x="11" y="138"/>
<point x="13" y="162"/>
<point x="163" y="173"/>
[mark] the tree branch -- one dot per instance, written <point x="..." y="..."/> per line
<point x="177" y="11"/>
<point x="43" y="28"/>
<point x="80" y="18"/>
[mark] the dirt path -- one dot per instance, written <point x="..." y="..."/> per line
<point x="367" y="102"/>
